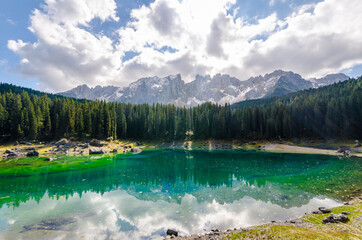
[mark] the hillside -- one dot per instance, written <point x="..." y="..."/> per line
<point x="333" y="111"/>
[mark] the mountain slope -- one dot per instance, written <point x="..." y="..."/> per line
<point x="220" y="88"/>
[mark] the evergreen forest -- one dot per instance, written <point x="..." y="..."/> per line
<point x="333" y="111"/>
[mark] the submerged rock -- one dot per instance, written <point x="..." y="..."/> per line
<point x="336" y="218"/>
<point x="136" y="150"/>
<point x="96" y="151"/>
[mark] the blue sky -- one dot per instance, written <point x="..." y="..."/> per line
<point x="163" y="38"/>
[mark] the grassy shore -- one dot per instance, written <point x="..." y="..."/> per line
<point x="309" y="226"/>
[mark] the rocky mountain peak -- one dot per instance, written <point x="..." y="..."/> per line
<point x="221" y="88"/>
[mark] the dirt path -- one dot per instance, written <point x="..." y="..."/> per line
<point x="306" y="150"/>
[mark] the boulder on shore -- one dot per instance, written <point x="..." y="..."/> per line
<point x="336" y="218"/>
<point x="84" y="145"/>
<point x="324" y="210"/>
<point x="32" y="154"/>
<point x="96" y="151"/>
<point x="62" y="142"/>
<point x="29" y="149"/>
<point x="171" y="232"/>
<point x="97" y="143"/>
<point x="11" y="153"/>
<point x="136" y="150"/>
<point x="358" y="144"/>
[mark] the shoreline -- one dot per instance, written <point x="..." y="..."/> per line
<point x="309" y="226"/>
<point x="65" y="147"/>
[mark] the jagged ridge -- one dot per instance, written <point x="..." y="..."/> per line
<point x="220" y="88"/>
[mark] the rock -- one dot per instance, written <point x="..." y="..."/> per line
<point x="97" y="143"/>
<point x="316" y="212"/>
<point x="115" y="150"/>
<point x="96" y="151"/>
<point x="324" y="210"/>
<point x="347" y="153"/>
<point x="49" y="159"/>
<point x="32" y="154"/>
<point x="62" y="142"/>
<point x="136" y="150"/>
<point x="11" y="153"/>
<point x="29" y="149"/>
<point x="171" y="232"/>
<point x="84" y="145"/>
<point x="358" y="144"/>
<point x="8" y="151"/>
<point x="334" y="218"/>
<point x="68" y="145"/>
<point x="16" y="143"/>
<point x="346" y="213"/>
<point x="138" y="144"/>
<point x="346" y="203"/>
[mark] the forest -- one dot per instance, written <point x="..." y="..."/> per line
<point x="333" y="111"/>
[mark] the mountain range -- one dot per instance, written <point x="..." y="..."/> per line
<point x="220" y="88"/>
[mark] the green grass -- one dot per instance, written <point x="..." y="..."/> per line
<point x="315" y="230"/>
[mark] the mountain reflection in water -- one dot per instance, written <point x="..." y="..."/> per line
<point x="140" y="196"/>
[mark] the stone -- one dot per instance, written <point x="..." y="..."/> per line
<point x="115" y="150"/>
<point x="84" y="145"/>
<point x="12" y="153"/>
<point x="136" y="150"/>
<point x="62" y="142"/>
<point x="336" y="218"/>
<point x="96" y="151"/>
<point x="171" y="232"/>
<point x="16" y="143"/>
<point x="358" y="144"/>
<point x="9" y="151"/>
<point x="68" y="145"/>
<point x="29" y="149"/>
<point x="316" y="212"/>
<point x="97" y="143"/>
<point x="324" y="210"/>
<point x="32" y="154"/>
<point x="49" y="159"/>
<point x="346" y="213"/>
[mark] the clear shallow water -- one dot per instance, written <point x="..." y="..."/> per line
<point x="140" y="196"/>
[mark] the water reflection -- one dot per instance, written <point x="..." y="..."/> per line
<point x="139" y="197"/>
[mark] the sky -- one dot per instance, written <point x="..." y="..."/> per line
<point x="55" y="45"/>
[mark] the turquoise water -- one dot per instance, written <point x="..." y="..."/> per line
<point x="141" y="196"/>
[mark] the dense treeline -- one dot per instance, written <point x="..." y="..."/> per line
<point x="330" y="112"/>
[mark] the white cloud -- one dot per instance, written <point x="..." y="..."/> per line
<point x="65" y="54"/>
<point x="206" y="37"/>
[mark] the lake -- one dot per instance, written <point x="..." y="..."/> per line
<point x="141" y="196"/>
